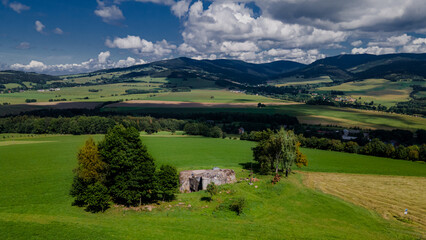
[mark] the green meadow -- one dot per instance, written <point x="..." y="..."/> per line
<point x="115" y="92"/>
<point x="36" y="176"/>
<point x="381" y="91"/>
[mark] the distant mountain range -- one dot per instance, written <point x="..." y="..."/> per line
<point x="232" y="70"/>
<point x="362" y="66"/>
<point x="339" y="68"/>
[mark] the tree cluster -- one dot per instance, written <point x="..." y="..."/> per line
<point x="119" y="169"/>
<point x="203" y="129"/>
<point x="375" y="147"/>
<point x="84" y="124"/>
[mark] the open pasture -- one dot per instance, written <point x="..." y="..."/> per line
<point x="115" y="92"/>
<point x="213" y="96"/>
<point x="381" y="91"/>
<point x="340" y="162"/>
<point x="108" y="92"/>
<point x="35" y="204"/>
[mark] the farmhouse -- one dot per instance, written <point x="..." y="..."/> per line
<point x="197" y="180"/>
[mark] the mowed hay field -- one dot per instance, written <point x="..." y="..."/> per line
<point x="387" y="195"/>
<point x="36" y="177"/>
<point x="381" y="91"/>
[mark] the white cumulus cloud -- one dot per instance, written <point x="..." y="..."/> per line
<point x="39" y="26"/>
<point x="141" y="46"/>
<point x="180" y="8"/>
<point x="58" y="31"/>
<point x="109" y="14"/>
<point x="373" y="50"/>
<point x="23" y="45"/>
<point x="102" y="62"/>
<point x="395" y="44"/>
<point x="229" y="29"/>
<point x="103" y="56"/>
<point x="18" y="7"/>
<point x="356" y="43"/>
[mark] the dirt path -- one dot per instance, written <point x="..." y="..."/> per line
<point x="387" y="195"/>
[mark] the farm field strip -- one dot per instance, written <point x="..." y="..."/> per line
<point x="115" y="92"/>
<point x="177" y="104"/>
<point x="297" y="81"/>
<point x="387" y="195"/>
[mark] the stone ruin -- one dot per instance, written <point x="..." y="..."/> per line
<point x="197" y="180"/>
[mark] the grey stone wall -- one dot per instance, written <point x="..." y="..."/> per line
<point x="197" y="180"/>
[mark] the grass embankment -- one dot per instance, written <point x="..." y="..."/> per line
<point x="35" y="203"/>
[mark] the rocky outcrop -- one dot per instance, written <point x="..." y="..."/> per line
<point x="197" y="180"/>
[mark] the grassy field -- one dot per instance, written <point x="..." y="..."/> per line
<point x="114" y="92"/>
<point x="381" y="91"/>
<point x="339" y="162"/>
<point x="219" y="96"/>
<point x="324" y="115"/>
<point x="35" y="204"/>
<point x="109" y="92"/>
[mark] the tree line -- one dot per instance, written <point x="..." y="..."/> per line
<point x="120" y="170"/>
<point x="375" y="147"/>
<point x="100" y="125"/>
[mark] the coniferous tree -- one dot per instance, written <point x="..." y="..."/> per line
<point x="168" y="182"/>
<point x="131" y="170"/>
<point x="87" y="188"/>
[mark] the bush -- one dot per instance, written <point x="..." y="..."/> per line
<point x="212" y="189"/>
<point x="30" y="100"/>
<point x="237" y="205"/>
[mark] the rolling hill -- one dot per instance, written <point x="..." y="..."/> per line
<point x="342" y="68"/>
<point x="10" y="76"/>
<point x="232" y="70"/>
<point x="363" y="66"/>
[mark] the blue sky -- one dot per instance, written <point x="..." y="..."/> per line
<point x="61" y="37"/>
